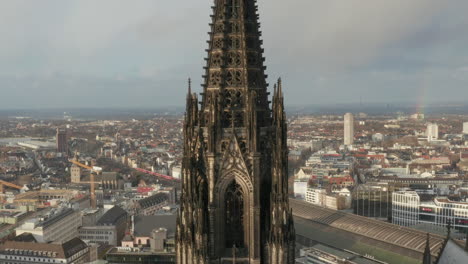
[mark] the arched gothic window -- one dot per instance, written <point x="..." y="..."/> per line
<point x="234" y="210"/>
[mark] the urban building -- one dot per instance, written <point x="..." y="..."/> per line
<point x="73" y="251"/>
<point x="62" y="141"/>
<point x="58" y="225"/>
<point x="348" y="129"/>
<point x="152" y="204"/>
<point x="44" y="198"/>
<point x="465" y="128"/>
<point x="235" y="187"/>
<point x="156" y="233"/>
<point x="405" y="208"/>
<point x="432" y="132"/>
<point x="75" y="174"/>
<point x="300" y="189"/>
<point x="109" y="229"/>
<point x="322" y="198"/>
<point x="373" y="200"/>
<point x="12" y="217"/>
<point x="124" y="255"/>
<point x="411" y="209"/>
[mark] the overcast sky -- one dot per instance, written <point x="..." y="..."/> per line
<point x="127" y="53"/>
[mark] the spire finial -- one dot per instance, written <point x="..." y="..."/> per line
<point x="427" y="258"/>
<point x="280" y="87"/>
<point x="449" y="228"/>
<point x="190" y="85"/>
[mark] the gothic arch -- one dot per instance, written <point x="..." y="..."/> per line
<point x="221" y="189"/>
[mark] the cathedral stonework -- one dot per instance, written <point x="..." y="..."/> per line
<point x="234" y="201"/>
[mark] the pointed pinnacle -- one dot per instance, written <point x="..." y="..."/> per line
<point x="189" y="85"/>
<point x="280" y="87"/>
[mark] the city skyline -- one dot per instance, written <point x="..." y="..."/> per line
<point x="322" y="131"/>
<point x="78" y="54"/>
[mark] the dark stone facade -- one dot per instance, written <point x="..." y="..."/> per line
<point x="234" y="203"/>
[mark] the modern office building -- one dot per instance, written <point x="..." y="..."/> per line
<point x="432" y="131"/>
<point x="409" y="209"/>
<point x="348" y="129"/>
<point x="62" y="141"/>
<point x="465" y="128"/>
<point x="58" y="225"/>
<point x="109" y="229"/>
<point x="75" y="174"/>
<point x="373" y="200"/>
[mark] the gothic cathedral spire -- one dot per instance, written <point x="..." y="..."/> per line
<point x="427" y="258"/>
<point x="234" y="202"/>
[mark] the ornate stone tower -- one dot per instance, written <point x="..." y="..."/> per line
<point x="234" y="202"/>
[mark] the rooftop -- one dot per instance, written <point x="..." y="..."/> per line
<point x="112" y="216"/>
<point x="153" y="200"/>
<point x="391" y="238"/>
<point x="145" y="224"/>
<point x="62" y="251"/>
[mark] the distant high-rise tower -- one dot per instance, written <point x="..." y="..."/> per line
<point x="465" y="128"/>
<point x="348" y="129"/>
<point x="432" y="131"/>
<point x="62" y="141"/>
<point x="234" y="202"/>
<point x="75" y="173"/>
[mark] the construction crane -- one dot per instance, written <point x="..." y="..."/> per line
<point x="4" y="184"/>
<point x="92" y="182"/>
<point x="8" y="184"/>
<point x="95" y="169"/>
<point x="169" y="178"/>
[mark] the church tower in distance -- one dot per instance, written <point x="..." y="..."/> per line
<point x="234" y="201"/>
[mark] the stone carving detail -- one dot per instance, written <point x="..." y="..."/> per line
<point x="234" y="27"/>
<point x="235" y="148"/>
<point x="239" y="118"/>
<point x="218" y="43"/>
<point x="216" y="60"/>
<point x="219" y="29"/>
<point x="224" y="146"/>
<point x="234" y="78"/>
<point x="215" y="78"/>
<point x="234" y="59"/>
<point x="227" y="118"/>
<point x="233" y="98"/>
<point x="234" y="43"/>
<point x="233" y="157"/>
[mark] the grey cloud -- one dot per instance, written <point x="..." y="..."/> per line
<point x="326" y="50"/>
